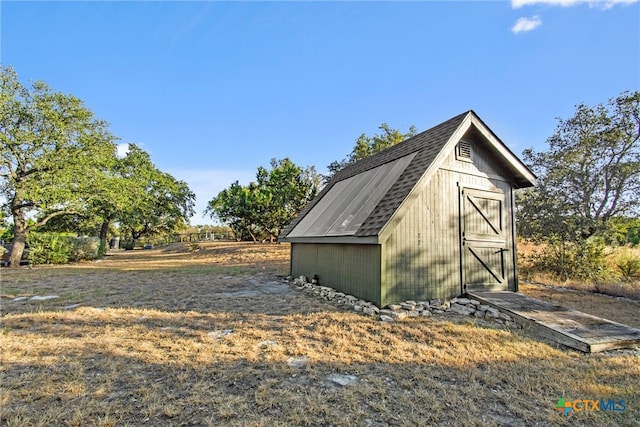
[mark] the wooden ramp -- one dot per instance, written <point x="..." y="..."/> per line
<point x="561" y="324"/>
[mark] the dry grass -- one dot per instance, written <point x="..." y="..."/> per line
<point x="173" y="338"/>
<point x="614" y="285"/>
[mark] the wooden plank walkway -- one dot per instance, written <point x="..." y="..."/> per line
<point x="564" y="325"/>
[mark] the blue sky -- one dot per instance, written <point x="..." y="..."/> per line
<point x="212" y="90"/>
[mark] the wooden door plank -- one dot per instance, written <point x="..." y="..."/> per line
<point x="499" y="277"/>
<point x="496" y="229"/>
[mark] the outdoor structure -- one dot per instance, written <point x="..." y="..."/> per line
<point x="431" y="217"/>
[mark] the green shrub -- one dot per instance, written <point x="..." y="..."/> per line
<point x="57" y="248"/>
<point x="128" y="244"/>
<point x="572" y="260"/>
<point x="49" y="248"/>
<point x="628" y="265"/>
<point x="85" y="248"/>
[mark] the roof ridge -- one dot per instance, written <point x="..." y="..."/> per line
<point x="401" y="149"/>
<point x="427" y="144"/>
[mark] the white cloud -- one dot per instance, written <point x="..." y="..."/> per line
<point x="207" y="183"/>
<point x="523" y="25"/>
<point x="122" y="150"/>
<point x="600" y="4"/>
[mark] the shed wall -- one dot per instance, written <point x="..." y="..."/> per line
<point x="350" y="268"/>
<point x="421" y="257"/>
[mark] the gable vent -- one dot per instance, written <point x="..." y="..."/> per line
<point x="464" y="150"/>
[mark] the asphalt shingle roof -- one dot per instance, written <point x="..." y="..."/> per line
<point x="427" y="145"/>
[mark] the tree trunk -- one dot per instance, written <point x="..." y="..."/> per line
<point x="104" y="230"/>
<point x="19" y="237"/>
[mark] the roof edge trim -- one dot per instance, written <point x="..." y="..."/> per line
<point x="503" y="150"/>
<point x="367" y="240"/>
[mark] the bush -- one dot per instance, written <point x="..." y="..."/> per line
<point x="127" y="245"/>
<point x="570" y="260"/>
<point x="49" y="248"/>
<point x="56" y="248"/>
<point x="628" y="265"/>
<point x="85" y="248"/>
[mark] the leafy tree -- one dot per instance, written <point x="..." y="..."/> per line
<point x="368" y="145"/>
<point x="133" y="193"/>
<point x="588" y="177"/>
<point x="109" y="194"/>
<point x="52" y="150"/>
<point x="623" y="230"/>
<point x="79" y="224"/>
<point x="589" y="174"/>
<point x="124" y="184"/>
<point x="237" y="206"/>
<point x="268" y="204"/>
<point x="155" y="202"/>
<point x="282" y="193"/>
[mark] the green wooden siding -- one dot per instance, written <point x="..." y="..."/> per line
<point x="352" y="269"/>
<point x="421" y="258"/>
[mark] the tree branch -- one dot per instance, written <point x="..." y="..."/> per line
<point x="51" y="215"/>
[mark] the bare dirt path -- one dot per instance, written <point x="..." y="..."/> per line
<point x="231" y="277"/>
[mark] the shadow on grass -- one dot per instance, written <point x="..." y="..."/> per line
<point x="194" y="345"/>
<point x="132" y="366"/>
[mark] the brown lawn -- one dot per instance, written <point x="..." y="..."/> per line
<point x="168" y="337"/>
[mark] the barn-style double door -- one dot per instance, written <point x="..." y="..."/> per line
<point x="484" y="254"/>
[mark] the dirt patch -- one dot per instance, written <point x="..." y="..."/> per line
<point x="256" y="286"/>
<point x="227" y="277"/>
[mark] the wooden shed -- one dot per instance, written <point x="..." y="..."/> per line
<point x="431" y="217"/>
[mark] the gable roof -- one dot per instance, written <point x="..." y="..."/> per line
<point x="362" y="198"/>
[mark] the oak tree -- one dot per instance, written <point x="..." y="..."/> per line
<point x="589" y="174"/>
<point x="237" y="206"/>
<point x="52" y="149"/>
<point x="155" y="202"/>
<point x="268" y="204"/>
<point x="367" y="145"/>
